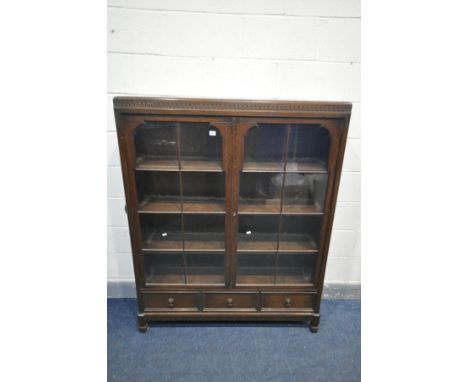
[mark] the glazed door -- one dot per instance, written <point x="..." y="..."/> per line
<point x="280" y="198"/>
<point x="181" y="208"/>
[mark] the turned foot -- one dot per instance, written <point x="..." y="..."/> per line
<point x="142" y="325"/>
<point x="143" y="328"/>
<point x="314" y="324"/>
<point x="313" y="329"/>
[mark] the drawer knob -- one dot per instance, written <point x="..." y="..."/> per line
<point x="287" y="303"/>
<point x="229" y="303"/>
<point x="170" y="302"/>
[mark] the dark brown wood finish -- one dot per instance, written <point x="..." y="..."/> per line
<point x="206" y="292"/>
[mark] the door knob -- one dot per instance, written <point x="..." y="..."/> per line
<point x="170" y="302"/>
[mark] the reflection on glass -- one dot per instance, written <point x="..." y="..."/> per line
<point x="205" y="268"/>
<point x="164" y="268"/>
<point x="264" y="148"/>
<point x="204" y="232"/>
<point x="295" y="268"/>
<point x="255" y="268"/>
<point x="304" y="193"/>
<point x="299" y="233"/>
<point x="258" y="233"/>
<point x="308" y="148"/>
<point x="275" y="269"/>
<point x="161" y="232"/>
<point x="156" y="145"/>
<point x="203" y="192"/>
<point x="260" y="192"/>
<point x="200" y="147"/>
<point x="158" y="191"/>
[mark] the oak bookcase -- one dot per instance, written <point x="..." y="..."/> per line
<point x="230" y="205"/>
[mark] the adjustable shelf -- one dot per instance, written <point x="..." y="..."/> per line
<point x="154" y="205"/>
<point x="313" y="167"/>
<point x="185" y="276"/>
<point x="195" y="165"/>
<point x="190" y="242"/>
<point x="268" y="243"/>
<point x="252" y="276"/>
<point x="260" y="208"/>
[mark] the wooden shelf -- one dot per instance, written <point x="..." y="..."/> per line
<point x="204" y="242"/>
<point x="274" y="209"/>
<point x="256" y="246"/>
<point x="204" y="245"/>
<point x="199" y="242"/>
<point x="166" y="275"/>
<point x="315" y="167"/>
<point x="265" y="275"/>
<point x="205" y="275"/>
<point x="266" y="278"/>
<point x="208" y="206"/>
<point x="302" y="209"/>
<point x="154" y="206"/>
<point x="194" y="276"/>
<point x="301" y="245"/>
<point x="308" y="167"/>
<point x="154" y="164"/>
<point x="201" y="165"/>
<point x="258" y="243"/>
<point x="263" y="166"/>
<point x="163" y="246"/>
<point x="268" y="243"/>
<point x="190" y="206"/>
<point x="271" y="207"/>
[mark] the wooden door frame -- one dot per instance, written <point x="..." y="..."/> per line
<point x="335" y="128"/>
<point x="126" y="127"/>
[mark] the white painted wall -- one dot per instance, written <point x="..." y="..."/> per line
<point x="295" y="49"/>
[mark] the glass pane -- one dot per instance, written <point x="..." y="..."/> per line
<point x="304" y="193"/>
<point x="299" y="233"/>
<point x="164" y="268"/>
<point x="161" y="232"/>
<point x="158" y="191"/>
<point x="200" y="147"/>
<point x="260" y="192"/>
<point x="204" y="232"/>
<point x="205" y="268"/>
<point x="203" y="192"/>
<point x="308" y="149"/>
<point x="264" y="148"/>
<point x="295" y="268"/>
<point x="255" y="268"/>
<point x="258" y="233"/>
<point x="156" y="145"/>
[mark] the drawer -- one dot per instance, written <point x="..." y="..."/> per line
<point x="275" y="301"/>
<point x="171" y="301"/>
<point x="231" y="301"/>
